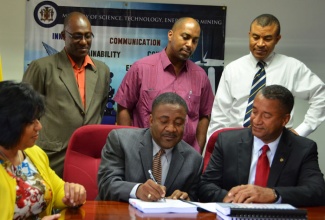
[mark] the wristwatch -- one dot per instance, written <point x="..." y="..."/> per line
<point x="276" y="195"/>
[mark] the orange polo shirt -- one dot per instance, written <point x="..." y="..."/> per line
<point x="80" y="73"/>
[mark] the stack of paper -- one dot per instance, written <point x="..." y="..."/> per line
<point x="136" y="214"/>
<point x="170" y="206"/>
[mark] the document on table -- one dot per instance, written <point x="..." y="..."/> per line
<point x="170" y="206"/>
<point x="230" y="211"/>
<point x="136" y="214"/>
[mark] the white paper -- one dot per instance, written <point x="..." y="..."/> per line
<point x="170" y="206"/>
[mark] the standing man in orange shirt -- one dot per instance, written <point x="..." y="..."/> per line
<point x="75" y="88"/>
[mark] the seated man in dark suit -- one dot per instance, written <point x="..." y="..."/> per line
<point x="235" y="172"/>
<point x="130" y="153"/>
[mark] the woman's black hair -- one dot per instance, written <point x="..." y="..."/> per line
<point x="20" y="105"/>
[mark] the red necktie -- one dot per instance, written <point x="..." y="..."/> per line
<point x="262" y="168"/>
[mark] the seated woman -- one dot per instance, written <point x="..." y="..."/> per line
<point x="29" y="188"/>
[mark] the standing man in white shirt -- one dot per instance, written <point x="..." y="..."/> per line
<point x="231" y="100"/>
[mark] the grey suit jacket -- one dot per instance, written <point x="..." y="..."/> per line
<point x="294" y="172"/>
<point x="127" y="157"/>
<point x="53" y="77"/>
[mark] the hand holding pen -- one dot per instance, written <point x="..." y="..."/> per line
<point x="150" y="191"/>
<point x="177" y="194"/>
<point x="153" y="178"/>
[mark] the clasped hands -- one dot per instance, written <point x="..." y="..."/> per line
<point x="74" y="196"/>
<point x="250" y="194"/>
<point x="151" y="191"/>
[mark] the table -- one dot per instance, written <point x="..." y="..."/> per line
<point x="103" y="210"/>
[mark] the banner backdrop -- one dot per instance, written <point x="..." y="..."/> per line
<point x="125" y="32"/>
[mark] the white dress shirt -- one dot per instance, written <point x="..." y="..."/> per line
<point x="257" y="151"/>
<point x="235" y="84"/>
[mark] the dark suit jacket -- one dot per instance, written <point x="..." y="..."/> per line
<point x="294" y="172"/>
<point x="53" y="77"/>
<point x="127" y="157"/>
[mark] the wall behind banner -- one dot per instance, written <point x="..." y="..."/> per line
<point x="302" y="32"/>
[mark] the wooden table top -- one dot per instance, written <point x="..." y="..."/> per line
<point x="101" y="210"/>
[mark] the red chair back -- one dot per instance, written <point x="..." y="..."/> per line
<point x="210" y="145"/>
<point x="84" y="154"/>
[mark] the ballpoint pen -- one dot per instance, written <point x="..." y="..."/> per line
<point x="153" y="178"/>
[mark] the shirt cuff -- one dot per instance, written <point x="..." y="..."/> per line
<point x="303" y="130"/>
<point x="279" y="201"/>
<point x="134" y="191"/>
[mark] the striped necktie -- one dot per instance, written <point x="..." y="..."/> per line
<point x="258" y="83"/>
<point x="156" y="166"/>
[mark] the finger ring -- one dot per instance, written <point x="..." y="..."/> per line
<point x="149" y="196"/>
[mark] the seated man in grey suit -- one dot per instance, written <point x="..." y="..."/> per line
<point x="128" y="155"/>
<point x="292" y="174"/>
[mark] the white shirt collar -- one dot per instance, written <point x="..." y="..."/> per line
<point x="157" y="148"/>
<point x="267" y="61"/>
<point x="258" y="144"/>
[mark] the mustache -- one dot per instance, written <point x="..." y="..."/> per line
<point x="169" y="134"/>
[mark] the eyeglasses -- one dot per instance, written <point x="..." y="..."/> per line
<point x="79" y="37"/>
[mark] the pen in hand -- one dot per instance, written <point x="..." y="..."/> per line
<point x="153" y="178"/>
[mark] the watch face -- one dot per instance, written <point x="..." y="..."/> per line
<point x="276" y="195"/>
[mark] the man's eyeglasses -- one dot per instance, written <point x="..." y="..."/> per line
<point x="79" y="37"/>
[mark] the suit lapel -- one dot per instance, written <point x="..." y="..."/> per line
<point x="280" y="158"/>
<point x="68" y="78"/>
<point x="175" y="165"/>
<point x="244" y="156"/>
<point x="91" y="80"/>
<point x="146" y="153"/>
